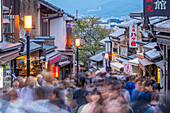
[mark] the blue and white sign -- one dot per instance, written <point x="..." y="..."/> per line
<point x="1" y="77"/>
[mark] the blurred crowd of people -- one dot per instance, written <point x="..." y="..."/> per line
<point x="88" y="92"/>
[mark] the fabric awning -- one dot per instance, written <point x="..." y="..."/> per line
<point x="145" y="62"/>
<point x="64" y="63"/>
<point x="160" y="64"/>
<point x="134" y="62"/>
<point x="8" y="56"/>
<point x="117" y="65"/>
<point x="53" y="57"/>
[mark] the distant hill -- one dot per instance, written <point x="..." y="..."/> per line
<point x="101" y="8"/>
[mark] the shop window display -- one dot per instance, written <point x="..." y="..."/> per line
<point x="35" y="67"/>
<point x="6" y="74"/>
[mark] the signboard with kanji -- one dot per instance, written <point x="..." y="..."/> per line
<point x="133" y="36"/>
<point x="128" y="68"/>
<point x="156" y="7"/>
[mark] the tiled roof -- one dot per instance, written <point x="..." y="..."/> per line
<point x="97" y="57"/>
<point x="117" y="33"/>
<point x="33" y="47"/>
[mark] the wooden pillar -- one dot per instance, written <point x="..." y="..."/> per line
<point x="16" y="29"/>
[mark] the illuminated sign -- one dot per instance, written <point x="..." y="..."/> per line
<point x="133" y="36"/>
<point x="56" y="72"/>
<point x="156" y="7"/>
<point x="158" y="77"/>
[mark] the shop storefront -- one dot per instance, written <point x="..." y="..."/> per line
<point x="116" y="66"/>
<point x="147" y="68"/>
<point x="135" y="65"/>
<point x="35" y="64"/>
<point x="64" y="65"/>
<point x="8" y="52"/>
<point x="51" y="61"/>
<point x="35" y="61"/>
<point x="5" y="77"/>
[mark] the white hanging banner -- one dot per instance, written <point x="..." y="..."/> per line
<point x="128" y="68"/>
<point x="133" y="36"/>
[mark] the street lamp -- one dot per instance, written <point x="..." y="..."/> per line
<point x="77" y="44"/>
<point x="108" y="50"/>
<point x="28" y="27"/>
<point x="106" y="55"/>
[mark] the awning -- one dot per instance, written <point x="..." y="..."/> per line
<point x="5" y="8"/>
<point x="5" y="46"/>
<point x="133" y="56"/>
<point x="53" y="57"/>
<point x="117" y="65"/>
<point x="145" y="62"/>
<point x="121" y="59"/>
<point x="153" y="54"/>
<point x="33" y="47"/>
<point x="141" y="42"/>
<point x="134" y="62"/>
<point x="160" y="64"/>
<point x="64" y="63"/>
<point x="8" y="56"/>
<point x="150" y="45"/>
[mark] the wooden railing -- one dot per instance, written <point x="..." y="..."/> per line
<point x="11" y="29"/>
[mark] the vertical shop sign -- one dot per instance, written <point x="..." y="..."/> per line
<point x="128" y="68"/>
<point x="156" y="7"/>
<point x="56" y="72"/>
<point x="158" y="76"/>
<point x="1" y="77"/>
<point x="133" y="36"/>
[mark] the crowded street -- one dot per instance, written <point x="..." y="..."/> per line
<point x="89" y="92"/>
<point x="84" y="56"/>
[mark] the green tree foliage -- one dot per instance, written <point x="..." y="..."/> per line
<point x="90" y="33"/>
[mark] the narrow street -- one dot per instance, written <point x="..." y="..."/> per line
<point x="84" y="56"/>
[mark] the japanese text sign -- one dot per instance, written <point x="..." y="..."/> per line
<point x="128" y="68"/>
<point x="156" y="7"/>
<point x="133" y="36"/>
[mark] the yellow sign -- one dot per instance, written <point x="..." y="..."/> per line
<point x="158" y="77"/>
